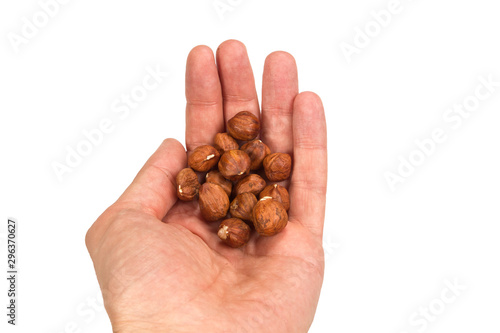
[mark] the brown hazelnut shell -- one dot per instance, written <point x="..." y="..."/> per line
<point x="234" y="165"/>
<point x="242" y="206"/>
<point x="215" y="177"/>
<point x="203" y="158"/>
<point x="269" y="217"/>
<point x="277" y="166"/>
<point x="224" y="142"/>
<point x="252" y="183"/>
<point x="278" y="193"/>
<point x="214" y="202"/>
<point x="244" y="126"/>
<point x="187" y="184"/>
<point x="234" y="232"/>
<point x="257" y="151"/>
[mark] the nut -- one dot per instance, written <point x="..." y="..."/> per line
<point x="187" y="184"/>
<point x="214" y="202"/>
<point x="252" y="183"/>
<point x="224" y="142"/>
<point x="234" y="232"/>
<point x="215" y="177"/>
<point x="243" y="126"/>
<point x="234" y="164"/>
<point x="203" y="158"/>
<point x="269" y="217"/>
<point x="242" y="206"/>
<point x="257" y="151"/>
<point x="278" y="193"/>
<point x="277" y="166"/>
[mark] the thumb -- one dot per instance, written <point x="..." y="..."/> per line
<point x="153" y="190"/>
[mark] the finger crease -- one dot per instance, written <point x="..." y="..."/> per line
<point x="278" y="110"/>
<point x="236" y="98"/>
<point x="310" y="146"/>
<point x="202" y="103"/>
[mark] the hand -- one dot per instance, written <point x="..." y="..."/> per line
<point x="161" y="268"/>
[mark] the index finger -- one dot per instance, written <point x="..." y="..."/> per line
<point x="204" y="117"/>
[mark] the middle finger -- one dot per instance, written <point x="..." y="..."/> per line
<point x="237" y="80"/>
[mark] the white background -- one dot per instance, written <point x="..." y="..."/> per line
<point x="388" y="252"/>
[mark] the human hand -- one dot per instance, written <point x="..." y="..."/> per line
<point x="161" y="268"/>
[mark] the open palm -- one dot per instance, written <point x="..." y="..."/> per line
<point x="162" y="268"/>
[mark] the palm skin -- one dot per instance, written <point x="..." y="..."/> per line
<point x="162" y="268"/>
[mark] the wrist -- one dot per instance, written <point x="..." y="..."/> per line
<point x="137" y="327"/>
<point x="148" y="327"/>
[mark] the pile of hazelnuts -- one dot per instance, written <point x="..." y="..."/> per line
<point x="238" y="173"/>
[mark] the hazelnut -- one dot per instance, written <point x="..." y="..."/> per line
<point x="234" y="165"/>
<point x="278" y="193"/>
<point x="187" y="184"/>
<point x="214" y="202"/>
<point x="242" y="206"/>
<point x="252" y="183"/>
<point x="203" y="158"/>
<point x="257" y="151"/>
<point x="269" y="217"/>
<point x="243" y="126"/>
<point x="234" y="232"/>
<point x="277" y="166"/>
<point x="215" y="177"/>
<point x="224" y="142"/>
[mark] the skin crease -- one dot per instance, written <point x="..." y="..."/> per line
<point x="161" y="268"/>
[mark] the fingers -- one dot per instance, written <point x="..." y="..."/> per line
<point x="279" y="89"/>
<point x="237" y="80"/>
<point x="204" y="117"/>
<point x="153" y="190"/>
<point x="309" y="176"/>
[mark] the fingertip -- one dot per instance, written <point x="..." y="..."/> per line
<point x="231" y="46"/>
<point x="154" y="190"/>
<point x="173" y="144"/>
<point x="202" y="81"/>
<point x="309" y="102"/>
<point x="309" y="121"/>
<point x="200" y="51"/>
<point x="280" y="81"/>
<point x="198" y="58"/>
<point x="171" y="148"/>
<point x="280" y="57"/>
